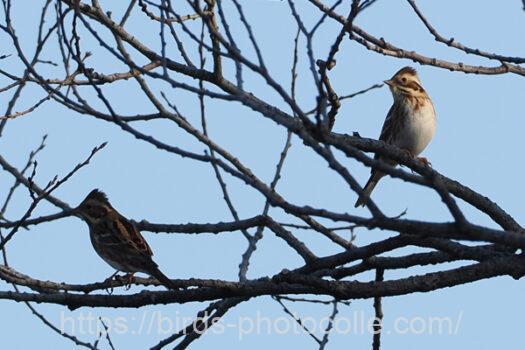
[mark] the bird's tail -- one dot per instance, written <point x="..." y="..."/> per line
<point x="369" y="187"/>
<point x="163" y="279"/>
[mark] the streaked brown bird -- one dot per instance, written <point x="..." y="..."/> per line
<point x="409" y="124"/>
<point x="117" y="240"/>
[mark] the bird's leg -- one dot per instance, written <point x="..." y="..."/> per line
<point x="110" y="278"/>
<point x="128" y="279"/>
<point x="425" y="161"/>
<point x="408" y="153"/>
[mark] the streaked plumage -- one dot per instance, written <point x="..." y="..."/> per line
<point x="409" y="124"/>
<point x="117" y="240"/>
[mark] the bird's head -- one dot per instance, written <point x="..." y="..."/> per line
<point x="406" y="82"/>
<point x="94" y="207"/>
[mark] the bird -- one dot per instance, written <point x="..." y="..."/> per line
<point x="410" y="123"/>
<point x="116" y="240"/>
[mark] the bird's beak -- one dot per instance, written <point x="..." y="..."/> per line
<point x="389" y="82"/>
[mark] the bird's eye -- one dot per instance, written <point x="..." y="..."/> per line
<point x="404" y="79"/>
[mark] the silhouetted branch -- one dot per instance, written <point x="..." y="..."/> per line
<point x="211" y="51"/>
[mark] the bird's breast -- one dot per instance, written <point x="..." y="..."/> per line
<point x="418" y="127"/>
<point x="102" y="245"/>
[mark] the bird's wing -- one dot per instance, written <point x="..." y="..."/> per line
<point x="390" y="125"/>
<point x="131" y="236"/>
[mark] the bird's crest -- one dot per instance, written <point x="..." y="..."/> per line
<point x="406" y="70"/>
<point x="98" y="195"/>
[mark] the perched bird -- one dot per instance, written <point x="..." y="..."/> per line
<point x="409" y="124"/>
<point x="117" y="240"/>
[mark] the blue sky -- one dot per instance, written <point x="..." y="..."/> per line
<point x="480" y="125"/>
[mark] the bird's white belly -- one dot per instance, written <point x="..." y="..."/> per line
<point x="418" y="130"/>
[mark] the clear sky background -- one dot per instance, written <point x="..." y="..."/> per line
<point x="479" y="141"/>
